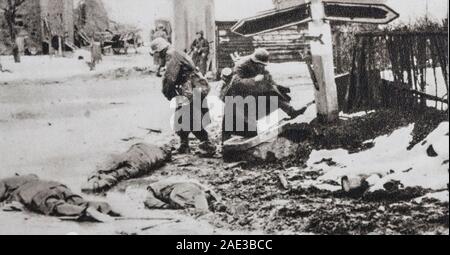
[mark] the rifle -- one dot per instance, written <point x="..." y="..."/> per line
<point x="192" y="50"/>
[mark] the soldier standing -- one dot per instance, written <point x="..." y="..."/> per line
<point x="200" y="52"/>
<point x="182" y="81"/>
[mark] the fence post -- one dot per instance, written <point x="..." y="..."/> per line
<point x="323" y="65"/>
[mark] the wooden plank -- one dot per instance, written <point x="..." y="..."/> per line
<point x="240" y="144"/>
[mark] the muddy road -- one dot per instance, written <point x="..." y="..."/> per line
<point x="61" y="130"/>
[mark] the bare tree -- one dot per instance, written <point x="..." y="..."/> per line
<point x="10" y="9"/>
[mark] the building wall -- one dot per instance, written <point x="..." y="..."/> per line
<point x="285" y="45"/>
<point x="28" y="21"/>
<point x="91" y="17"/>
<point x="60" y="17"/>
<point x="229" y="43"/>
<point x="59" y="14"/>
<point x="191" y="16"/>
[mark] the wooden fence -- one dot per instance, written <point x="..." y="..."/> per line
<point x="404" y="69"/>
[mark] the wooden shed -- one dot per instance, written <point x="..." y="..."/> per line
<point x="286" y="45"/>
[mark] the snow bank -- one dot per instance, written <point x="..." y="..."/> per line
<point x="442" y="196"/>
<point x="290" y="74"/>
<point x="426" y="165"/>
<point x="50" y="68"/>
<point x="288" y="69"/>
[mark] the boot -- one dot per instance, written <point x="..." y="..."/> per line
<point x="184" y="148"/>
<point x="295" y="113"/>
<point x="208" y="148"/>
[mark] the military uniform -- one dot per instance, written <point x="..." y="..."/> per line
<point x="159" y="33"/>
<point x="244" y="85"/>
<point x="46" y="197"/>
<point x="178" y="195"/>
<point x="182" y="79"/>
<point x="200" y="52"/>
<point x="141" y="159"/>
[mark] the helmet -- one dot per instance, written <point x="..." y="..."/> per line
<point x="201" y="33"/>
<point x="261" y="56"/>
<point x="226" y="73"/>
<point x="159" y="44"/>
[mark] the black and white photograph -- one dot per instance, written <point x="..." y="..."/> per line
<point x="224" y="118"/>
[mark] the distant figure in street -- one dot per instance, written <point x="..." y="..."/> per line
<point x="159" y="33"/>
<point x="50" y="198"/>
<point x="96" y="52"/>
<point x="252" y="79"/>
<point x="200" y="52"/>
<point x="181" y="81"/>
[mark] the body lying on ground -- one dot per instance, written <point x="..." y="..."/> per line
<point x="180" y="195"/>
<point x="138" y="161"/>
<point x="49" y="198"/>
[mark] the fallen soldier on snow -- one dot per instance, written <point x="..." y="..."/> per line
<point x="140" y="160"/>
<point x="182" y="195"/>
<point x="50" y="198"/>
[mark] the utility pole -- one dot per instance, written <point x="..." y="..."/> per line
<point x="323" y="64"/>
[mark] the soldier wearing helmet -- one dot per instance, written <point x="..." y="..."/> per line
<point x="252" y="79"/>
<point x="181" y="79"/>
<point x="200" y="52"/>
<point x="159" y="33"/>
<point x="158" y="45"/>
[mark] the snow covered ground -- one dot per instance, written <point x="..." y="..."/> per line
<point x="61" y="124"/>
<point x="51" y="68"/>
<point x="425" y="166"/>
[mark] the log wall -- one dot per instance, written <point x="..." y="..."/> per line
<point x="284" y="45"/>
